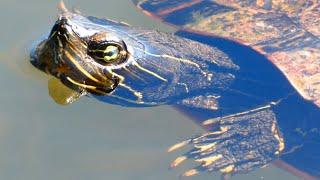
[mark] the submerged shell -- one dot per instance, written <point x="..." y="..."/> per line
<point x="287" y="32"/>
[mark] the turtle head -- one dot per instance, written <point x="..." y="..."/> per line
<point x="92" y="56"/>
<point x="81" y="57"/>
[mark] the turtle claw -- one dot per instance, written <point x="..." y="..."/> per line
<point x="178" y="146"/>
<point x="240" y="145"/>
<point x="199" y="169"/>
<point x="209" y="122"/>
<point x="190" y="172"/>
<point x="178" y="161"/>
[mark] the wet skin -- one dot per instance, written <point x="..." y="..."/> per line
<point x="134" y="67"/>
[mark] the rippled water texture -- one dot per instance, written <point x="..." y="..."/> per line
<point x="88" y="139"/>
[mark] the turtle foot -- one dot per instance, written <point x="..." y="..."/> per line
<point x="241" y="143"/>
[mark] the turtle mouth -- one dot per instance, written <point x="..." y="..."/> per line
<point x="64" y="55"/>
<point x="91" y="87"/>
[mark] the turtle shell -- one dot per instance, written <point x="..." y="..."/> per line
<point x="286" y="32"/>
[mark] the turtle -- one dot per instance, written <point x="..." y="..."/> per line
<point x="252" y="110"/>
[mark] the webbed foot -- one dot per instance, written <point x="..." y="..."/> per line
<point x="243" y="142"/>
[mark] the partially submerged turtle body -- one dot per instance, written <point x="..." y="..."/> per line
<point x="287" y="32"/>
<point x="243" y="101"/>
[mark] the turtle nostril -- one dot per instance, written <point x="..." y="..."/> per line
<point x="62" y="19"/>
<point x="59" y="26"/>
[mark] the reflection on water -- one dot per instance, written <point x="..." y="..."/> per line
<point x="89" y="139"/>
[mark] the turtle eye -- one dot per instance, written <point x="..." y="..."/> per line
<point x="111" y="53"/>
<point x="107" y="53"/>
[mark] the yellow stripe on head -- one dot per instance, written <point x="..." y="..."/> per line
<point x="93" y="88"/>
<point x="80" y="68"/>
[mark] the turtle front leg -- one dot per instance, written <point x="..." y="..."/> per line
<point x="243" y="142"/>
